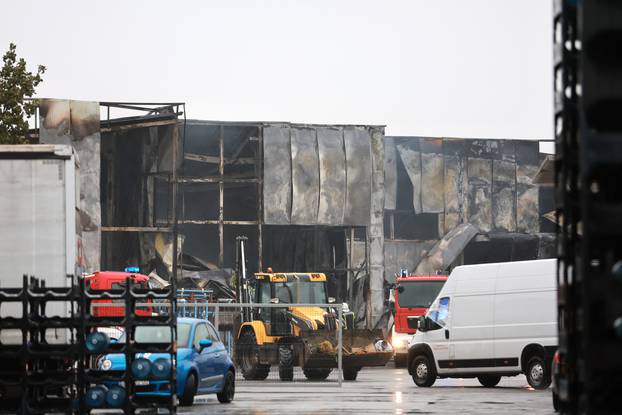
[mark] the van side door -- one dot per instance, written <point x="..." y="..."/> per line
<point x="471" y="335"/>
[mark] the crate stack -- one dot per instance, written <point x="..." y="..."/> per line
<point x="588" y="181"/>
<point x="41" y="347"/>
<point x="120" y="389"/>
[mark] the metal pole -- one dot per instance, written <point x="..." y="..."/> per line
<point x="216" y="318"/>
<point x="340" y="344"/>
<point x="174" y="208"/>
<point x="259" y="174"/>
<point x="350" y="292"/>
<point x="221" y="185"/>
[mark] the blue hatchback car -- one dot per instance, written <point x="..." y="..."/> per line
<point x="203" y="364"/>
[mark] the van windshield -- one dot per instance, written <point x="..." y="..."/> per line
<point x="439" y="313"/>
<point x="418" y="294"/>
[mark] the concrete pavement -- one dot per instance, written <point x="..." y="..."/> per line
<point x="381" y="391"/>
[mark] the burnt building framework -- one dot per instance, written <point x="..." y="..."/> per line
<point x="340" y="199"/>
<point x="301" y="193"/>
<point x="484" y="201"/>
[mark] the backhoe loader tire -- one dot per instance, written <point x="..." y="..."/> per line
<point x="316" y="373"/>
<point x="249" y="358"/>
<point x="286" y="363"/>
<point x="351" y="373"/>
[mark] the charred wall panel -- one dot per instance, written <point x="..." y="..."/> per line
<point x="527" y="210"/>
<point x="357" y="143"/>
<point x="403" y="255"/>
<point x="77" y="123"/>
<point x="277" y="185"/>
<point x="432" y="175"/>
<point x="455" y="184"/>
<point x="480" y="203"/>
<point x="332" y="176"/>
<point x="504" y="195"/>
<point x="390" y="174"/>
<point x="411" y="158"/>
<point x="305" y="176"/>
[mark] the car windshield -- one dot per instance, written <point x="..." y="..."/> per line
<point x="418" y="294"/>
<point x="303" y="292"/>
<point x="160" y="334"/>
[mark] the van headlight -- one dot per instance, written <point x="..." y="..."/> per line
<point x="400" y="340"/>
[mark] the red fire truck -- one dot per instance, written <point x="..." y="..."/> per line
<point x="412" y="294"/>
<point x="106" y="280"/>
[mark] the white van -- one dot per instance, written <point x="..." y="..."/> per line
<point x="488" y="321"/>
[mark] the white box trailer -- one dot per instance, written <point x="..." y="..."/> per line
<point x="39" y="228"/>
<point x="488" y="321"/>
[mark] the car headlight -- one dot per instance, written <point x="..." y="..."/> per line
<point x="105" y="364"/>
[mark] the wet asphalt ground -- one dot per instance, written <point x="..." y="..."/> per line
<point x="380" y="391"/>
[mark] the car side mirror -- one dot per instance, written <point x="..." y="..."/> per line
<point x="422" y="323"/>
<point x="331" y="300"/>
<point x="203" y="343"/>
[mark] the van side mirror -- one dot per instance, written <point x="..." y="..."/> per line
<point x="274" y="300"/>
<point x="422" y="324"/>
<point x="400" y="289"/>
<point x="331" y="300"/>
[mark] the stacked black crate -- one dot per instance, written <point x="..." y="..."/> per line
<point x="588" y="69"/>
<point x="41" y="347"/>
<point x="123" y="388"/>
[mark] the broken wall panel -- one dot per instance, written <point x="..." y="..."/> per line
<point x="455" y="184"/>
<point x="400" y="255"/>
<point x="357" y="144"/>
<point x="77" y="123"/>
<point x="527" y="210"/>
<point x="480" y="187"/>
<point x="305" y="176"/>
<point x="432" y="176"/>
<point x="411" y="159"/>
<point x="277" y="187"/>
<point x="332" y="176"/>
<point x="390" y="174"/>
<point x="504" y="196"/>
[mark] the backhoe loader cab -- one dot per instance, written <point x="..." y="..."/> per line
<point x="301" y="335"/>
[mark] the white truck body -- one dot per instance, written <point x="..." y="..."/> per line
<point x="488" y="315"/>
<point x="38" y="220"/>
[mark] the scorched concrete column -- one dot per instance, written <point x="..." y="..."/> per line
<point x="375" y="232"/>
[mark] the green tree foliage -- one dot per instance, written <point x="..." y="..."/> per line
<point x="16" y="83"/>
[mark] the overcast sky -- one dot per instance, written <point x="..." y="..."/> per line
<point x="461" y="68"/>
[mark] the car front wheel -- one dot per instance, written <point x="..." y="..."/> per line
<point x="228" y="389"/>
<point x="190" y="390"/>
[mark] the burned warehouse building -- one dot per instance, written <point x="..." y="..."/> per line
<point x="345" y="200"/>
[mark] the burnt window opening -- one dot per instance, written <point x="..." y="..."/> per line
<point x="221" y="190"/>
<point x="310" y="249"/>
<point x="136" y="195"/>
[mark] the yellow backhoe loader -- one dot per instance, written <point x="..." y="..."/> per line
<point x="290" y="336"/>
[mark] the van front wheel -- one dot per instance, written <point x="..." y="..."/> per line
<point x="489" y="381"/>
<point x="423" y="371"/>
<point x="538" y="373"/>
